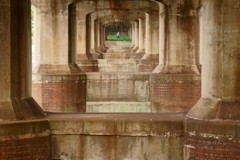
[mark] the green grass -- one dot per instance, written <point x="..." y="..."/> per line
<point x="121" y="38"/>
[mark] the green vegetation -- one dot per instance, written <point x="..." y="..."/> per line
<point x="121" y="38"/>
<point x="32" y="20"/>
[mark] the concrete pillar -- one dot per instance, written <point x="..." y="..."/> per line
<point x="130" y="32"/>
<point x="152" y="36"/>
<point x="141" y="30"/>
<point x="81" y="33"/>
<point x="221" y="67"/>
<point x="92" y="46"/>
<point x="88" y="36"/>
<point x="102" y="40"/>
<point x="133" y="35"/>
<point x="147" y="37"/>
<point x="16" y="101"/>
<point x="53" y="36"/>
<point x="182" y="49"/>
<point x="97" y="43"/>
<point x="136" y="39"/>
<point x="162" y="35"/>
<point x="72" y="36"/>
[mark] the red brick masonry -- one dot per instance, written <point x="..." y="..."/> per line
<point x="68" y="94"/>
<point x="25" y="149"/>
<point x="212" y="148"/>
<point x="174" y="96"/>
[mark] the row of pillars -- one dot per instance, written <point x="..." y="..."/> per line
<point x="78" y="29"/>
<point x="220" y="46"/>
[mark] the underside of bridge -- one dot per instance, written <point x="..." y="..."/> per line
<point x="119" y="80"/>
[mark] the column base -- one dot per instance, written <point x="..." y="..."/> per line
<point x="58" y="69"/>
<point x="20" y="109"/>
<point x="213" y="109"/>
<point x="177" y="69"/>
<point x="150" y="56"/>
<point x="134" y="50"/>
<point x="82" y="57"/>
<point x="141" y="51"/>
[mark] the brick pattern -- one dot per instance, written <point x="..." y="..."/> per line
<point x="37" y="148"/>
<point x="174" y="96"/>
<point x="69" y="96"/>
<point x="212" y="149"/>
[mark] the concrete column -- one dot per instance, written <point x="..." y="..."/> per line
<point x="102" y="41"/>
<point x="97" y="36"/>
<point x="130" y="32"/>
<point x="221" y="68"/>
<point x="141" y="30"/>
<point x="88" y="36"/>
<point x="133" y="35"/>
<point x="16" y="101"/>
<point x="182" y="49"/>
<point x="92" y="50"/>
<point x="81" y="42"/>
<point x="162" y="37"/>
<point x="154" y="34"/>
<point x="104" y="38"/>
<point x="147" y="37"/>
<point x="136" y="39"/>
<point x="53" y="35"/>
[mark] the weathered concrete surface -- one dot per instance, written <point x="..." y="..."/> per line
<point x="118" y="106"/>
<point x="117" y="87"/>
<point x="118" y="136"/>
<point x="117" y="65"/>
<point x="180" y="53"/>
<point x="221" y="67"/>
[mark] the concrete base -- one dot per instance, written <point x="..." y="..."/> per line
<point x="118" y="136"/>
<point x="210" y="109"/>
<point x="59" y="69"/>
<point x="20" y="109"/>
<point x="177" y="69"/>
<point x="150" y="57"/>
<point x="117" y="65"/>
<point x="135" y="107"/>
<point x="134" y="49"/>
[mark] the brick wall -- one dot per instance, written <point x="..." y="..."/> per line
<point x="212" y="148"/>
<point x="174" y="93"/>
<point x="61" y="93"/>
<point x="25" y="149"/>
<point x="211" y="140"/>
<point x="26" y="140"/>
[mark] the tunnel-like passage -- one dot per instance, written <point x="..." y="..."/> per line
<point x="99" y="97"/>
